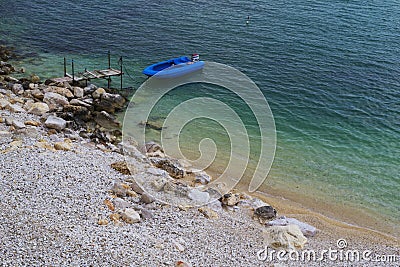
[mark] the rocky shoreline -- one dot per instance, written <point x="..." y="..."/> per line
<point x="70" y="194"/>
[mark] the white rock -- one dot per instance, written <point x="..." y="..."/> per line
<point x="305" y="228"/>
<point x="182" y="264"/>
<point x="18" y="89"/>
<point x="78" y="92"/>
<point x="54" y="122"/>
<point x="54" y="100"/>
<point x="4" y="134"/>
<point x="230" y="199"/>
<point x="39" y="108"/>
<point x="199" y="196"/>
<point x="18" y="124"/>
<point x="4" y="103"/>
<point x="159" y="184"/>
<point x="287" y="237"/>
<point x="202" y="177"/>
<point x="97" y="94"/>
<point x="178" y="246"/>
<point x="77" y="102"/>
<point x="157" y="171"/>
<point x="121" y="204"/>
<point x="130" y="215"/>
<point x="15" y="108"/>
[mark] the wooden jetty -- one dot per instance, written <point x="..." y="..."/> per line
<point x="89" y="75"/>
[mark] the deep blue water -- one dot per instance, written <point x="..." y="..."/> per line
<point x="329" y="70"/>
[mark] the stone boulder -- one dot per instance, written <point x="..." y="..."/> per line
<point x="77" y="102"/>
<point x="287" y="237"/>
<point x="89" y="89"/>
<point x="120" y="204"/>
<point x="37" y="94"/>
<point x="130" y="215"/>
<point x="18" y="125"/>
<point x="15" y="108"/>
<point x="201" y="177"/>
<point x="60" y="90"/>
<point x="264" y="213"/>
<point x="98" y="93"/>
<point x="208" y="213"/>
<point x="109" y="102"/>
<point x="305" y="228"/>
<point x="39" y="108"/>
<point x="199" y="196"/>
<point x="56" y="123"/>
<point x="17" y="89"/>
<point x="171" y="166"/>
<point x="65" y="146"/>
<point x="4" y="103"/>
<point x="78" y="92"/>
<point x="106" y="120"/>
<point x="55" y="101"/>
<point x="152" y="149"/>
<point x="230" y="199"/>
<point x="78" y="112"/>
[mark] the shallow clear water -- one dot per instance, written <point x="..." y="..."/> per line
<point x="329" y="70"/>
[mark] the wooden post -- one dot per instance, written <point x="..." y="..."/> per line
<point x="65" y="67"/>
<point x="73" y="73"/>
<point x="86" y="80"/>
<point x="120" y="59"/>
<point x="109" y="59"/>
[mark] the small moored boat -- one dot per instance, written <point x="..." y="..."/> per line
<point x="175" y="67"/>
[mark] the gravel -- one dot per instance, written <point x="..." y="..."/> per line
<point x="51" y="202"/>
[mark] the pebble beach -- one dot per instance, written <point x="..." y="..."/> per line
<point x="64" y="201"/>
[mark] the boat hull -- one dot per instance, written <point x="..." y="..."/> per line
<point x="173" y="68"/>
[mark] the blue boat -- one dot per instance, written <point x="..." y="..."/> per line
<point x="174" y="67"/>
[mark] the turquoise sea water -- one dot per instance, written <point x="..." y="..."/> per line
<point x="329" y="70"/>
